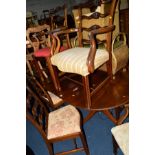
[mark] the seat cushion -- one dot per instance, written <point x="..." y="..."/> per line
<point x="121" y="135"/>
<point x="63" y="121"/>
<point x="56" y="100"/>
<point x="44" y="52"/>
<point x="74" y="60"/>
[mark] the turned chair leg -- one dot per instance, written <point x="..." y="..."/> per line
<point x="53" y="75"/>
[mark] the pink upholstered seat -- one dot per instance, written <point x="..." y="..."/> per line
<point x="44" y="52"/>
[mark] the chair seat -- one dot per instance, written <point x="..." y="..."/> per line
<point x="63" y="121"/>
<point x="44" y="52"/>
<point x="55" y="98"/>
<point x="74" y="60"/>
<point x="121" y="135"/>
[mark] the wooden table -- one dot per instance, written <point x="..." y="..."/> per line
<point x="113" y="95"/>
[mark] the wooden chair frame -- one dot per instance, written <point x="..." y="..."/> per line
<point x="93" y="31"/>
<point x="37" y="114"/>
<point x="36" y="44"/>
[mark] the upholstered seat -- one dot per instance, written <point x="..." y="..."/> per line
<point x="44" y="52"/>
<point x="57" y="124"/>
<point x="74" y="60"/>
<point x="121" y="135"/>
<point x="54" y="98"/>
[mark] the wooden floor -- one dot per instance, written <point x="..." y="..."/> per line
<point x="113" y="94"/>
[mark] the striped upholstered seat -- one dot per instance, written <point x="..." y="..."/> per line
<point x="74" y="60"/>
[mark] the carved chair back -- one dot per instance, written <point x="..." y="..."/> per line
<point x="95" y="20"/>
<point x="104" y="15"/>
<point x="38" y="36"/>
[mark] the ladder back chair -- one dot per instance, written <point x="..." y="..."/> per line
<point x="59" y="125"/>
<point x="82" y="60"/>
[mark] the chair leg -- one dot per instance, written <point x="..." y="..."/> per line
<point x="89" y="116"/>
<point x="75" y="144"/>
<point x="85" y="80"/>
<point x="53" y="74"/>
<point x="83" y="140"/>
<point x="38" y="70"/>
<point x="50" y="148"/>
<point x="115" y="145"/>
<point x="110" y="116"/>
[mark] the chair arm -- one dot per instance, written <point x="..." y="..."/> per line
<point x="92" y="52"/>
<point x="56" y="40"/>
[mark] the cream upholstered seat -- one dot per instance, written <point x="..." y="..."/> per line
<point x="57" y="124"/>
<point x="82" y="60"/>
<point x="121" y="135"/>
<point x="54" y="98"/>
<point x="74" y="60"/>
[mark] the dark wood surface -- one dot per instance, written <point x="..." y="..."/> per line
<point x="111" y="95"/>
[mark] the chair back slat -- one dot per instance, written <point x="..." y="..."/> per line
<point x="36" y="112"/>
<point x="41" y="91"/>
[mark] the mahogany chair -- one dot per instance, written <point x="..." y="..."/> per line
<point x="56" y="126"/>
<point x="85" y="61"/>
<point x="39" y="39"/>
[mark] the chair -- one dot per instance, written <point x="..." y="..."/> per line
<point x="52" y="101"/>
<point x="38" y="39"/>
<point x="120" y="135"/>
<point x="59" y="125"/>
<point x="85" y="61"/>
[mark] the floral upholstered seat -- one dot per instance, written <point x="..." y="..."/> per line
<point x="57" y="124"/>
